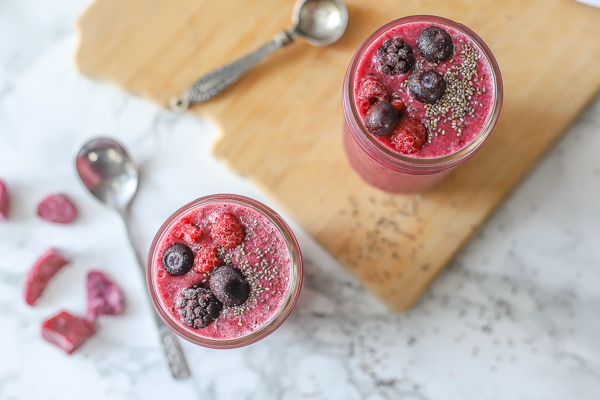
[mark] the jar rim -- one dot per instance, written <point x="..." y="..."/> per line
<point x="294" y="287"/>
<point x="399" y="161"/>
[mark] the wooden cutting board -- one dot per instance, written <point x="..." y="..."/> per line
<point x="282" y="124"/>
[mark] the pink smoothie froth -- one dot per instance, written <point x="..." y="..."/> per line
<point x="444" y="135"/>
<point x="263" y="258"/>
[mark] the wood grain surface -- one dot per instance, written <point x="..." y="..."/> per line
<point x="282" y="124"/>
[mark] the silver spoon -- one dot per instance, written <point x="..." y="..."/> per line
<point x="109" y="174"/>
<point x="319" y="22"/>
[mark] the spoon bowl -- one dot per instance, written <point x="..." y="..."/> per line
<point x="320" y="22"/>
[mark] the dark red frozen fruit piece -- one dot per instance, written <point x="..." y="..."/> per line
<point x="399" y="106"/>
<point x="57" y="208"/>
<point x="381" y="118"/>
<point x="40" y="274"/>
<point x="395" y="56"/>
<point x="189" y="233"/>
<point x="369" y="92"/>
<point x="104" y="297"/>
<point x="67" y="331"/>
<point x="229" y="285"/>
<point x="206" y="259"/>
<point x="434" y="44"/>
<point x="199" y="306"/>
<point x="226" y="231"/>
<point x="409" y="135"/>
<point x="426" y="86"/>
<point x="4" y="201"/>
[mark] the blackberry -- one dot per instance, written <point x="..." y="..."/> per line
<point x="229" y="285"/>
<point x="395" y="56"/>
<point x="199" y="306"/>
<point x="434" y="44"/>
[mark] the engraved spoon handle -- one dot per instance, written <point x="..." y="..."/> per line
<point x="214" y="82"/>
<point x="171" y="348"/>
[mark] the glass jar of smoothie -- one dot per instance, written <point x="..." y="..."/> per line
<point x="224" y="271"/>
<point x="446" y="87"/>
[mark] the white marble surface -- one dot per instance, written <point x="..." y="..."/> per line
<point x="515" y="316"/>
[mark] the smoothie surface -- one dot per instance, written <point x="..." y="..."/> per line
<point x="263" y="258"/>
<point x="455" y="119"/>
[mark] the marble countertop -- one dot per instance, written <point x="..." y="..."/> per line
<point x="514" y="316"/>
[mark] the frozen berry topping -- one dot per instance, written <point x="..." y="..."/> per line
<point x="67" y="331"/>
<point x="104" y="296"/>
<point x="178" y="259"/>
<point x="409" y="135"/>
<point x="370" y="92"/>
<point x="395" y="56"/>
<point x="434" y="44"/>
<point x="189" y="233"/>
<point x="199" y="306"/>
<point x="399" y="106"/>
<point x="426" y="86"/>
<point x="4" y="201"/>
<point x="381" y="118"/>
<point x="57" y="208"/>
<point x="206" y="259"/>
<point x="227" y="231"/>
<point x="229" y="285"/>
<point x="41" y="273"/>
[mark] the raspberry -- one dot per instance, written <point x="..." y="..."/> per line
<point x="371" y="91"/>
<point x="188" y="232"/>
<point x="41" y="273"/>
<point x="104" y="297"/>
<point x="409" y="135"/>
<point x="57" y="208"/>
<point x="67" y="331"/>
<point x="206" y="259"/>
<point x="399" y="105"/>
<point x="226" y="231"/>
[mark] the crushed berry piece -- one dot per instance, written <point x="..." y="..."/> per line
<point x="4" y="201"/>
<point x="229" y="285"/>
<point x="369" y="92"/>
<point x="41" y="273"/>
<point x="395" y="56"/>
<point x="189" y="233"/>
<point x="227" y="231"/>
<point x="206" y="259"/>
<point x="178" y="259"/>
<point x="67" y="331"/>
<point x="409" y="136"/>
<point x="381" y="118"/>
<point x="399" y="106"/>
<point x="57" y="208"/>
<point x="104" y="296"/>
<point x="434" y="44"/>
<point x="199" y="306"/>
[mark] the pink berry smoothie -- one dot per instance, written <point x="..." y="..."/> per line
<point x="430" y="138"/>
<point x="268" y="257"/>
<point x="455" y="119"/>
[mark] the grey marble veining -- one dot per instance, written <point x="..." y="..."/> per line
<point x="515" y="315"/>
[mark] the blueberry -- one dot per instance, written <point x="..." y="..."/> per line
<point x="178" y="259"/>
<point x="229" y="285"/>
<point x="434" y="44"/>
<point x="426" y="86"/>
<point x="381" y="119"/>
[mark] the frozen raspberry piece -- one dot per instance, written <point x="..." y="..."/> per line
<point x="409" y="135"/>
<point x="399" y="106"/>
<point x="206" y="259"/>
<point x="4" y="202"/>
<point x="104" y="297"/>
<point x="189" y="233"/>
<point x="67" y="331"/>
<point x="57" y="208"/>
<point x="227" y="231"/>
<point x="40" y="274"/>
<point x="371" y="91"/>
